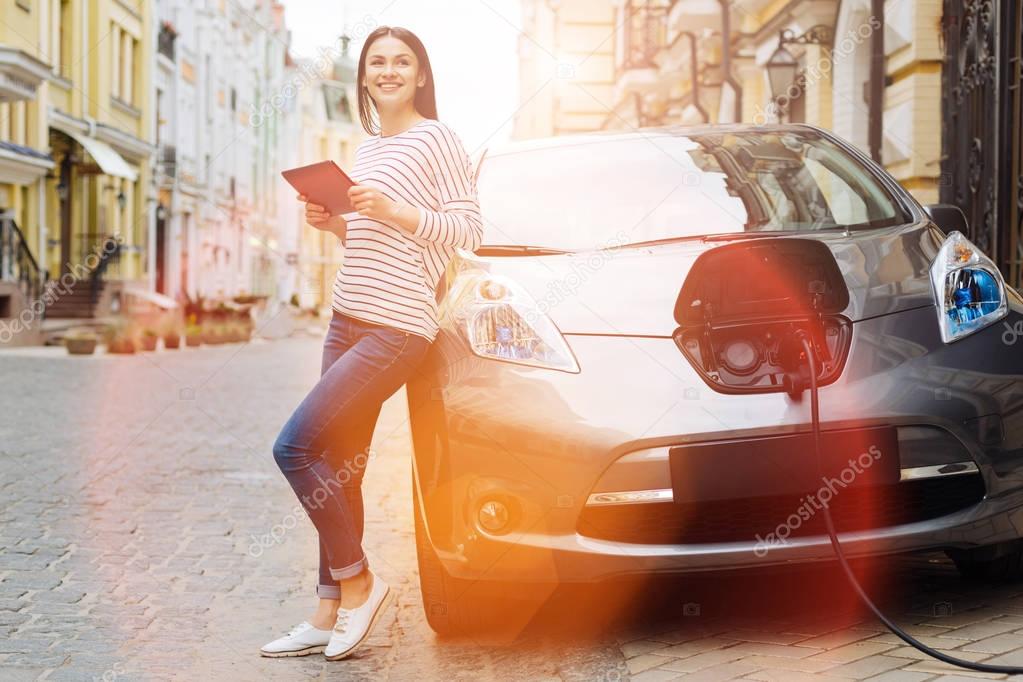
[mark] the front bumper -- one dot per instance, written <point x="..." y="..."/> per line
<point x="540" y="556"/>
<point x="543" y="441"/>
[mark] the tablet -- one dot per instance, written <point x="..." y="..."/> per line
<point x="324" y="183"/>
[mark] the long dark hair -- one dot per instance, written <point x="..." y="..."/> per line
<point x="426" y="98"/>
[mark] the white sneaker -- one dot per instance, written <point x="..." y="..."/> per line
<point x="354" y="625"/>
<point x="303" y="640"/>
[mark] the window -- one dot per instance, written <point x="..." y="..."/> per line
<point x="209" y="90"/>
<point x="115" y="60"/>
<point x="160" y="122"/>
<point x="64" y="40"/>
<point x="128" y="48"/>
<point x="123" y="49"/>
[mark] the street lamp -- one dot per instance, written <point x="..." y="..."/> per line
<point x="122" y="200"/>
<point x="783" y="67"/>
<point x="781" y="71"/>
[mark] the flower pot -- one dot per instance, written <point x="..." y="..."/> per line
<point x="80" y="346"/>
<point x="121" y="345"/>
<point x="171" y="341"/>
<point x="148" y="342"/>
<point x="193" y="340"/>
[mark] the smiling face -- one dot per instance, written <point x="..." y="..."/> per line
<point x="392" y="73"/>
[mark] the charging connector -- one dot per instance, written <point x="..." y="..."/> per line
<point x="811" y="360"/>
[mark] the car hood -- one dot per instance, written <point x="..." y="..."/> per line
<point x="633" y="291"/>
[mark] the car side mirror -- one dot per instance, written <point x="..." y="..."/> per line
<point x="948" y="217"/>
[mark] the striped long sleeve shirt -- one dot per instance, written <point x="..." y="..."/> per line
<point x="388" y="276"/>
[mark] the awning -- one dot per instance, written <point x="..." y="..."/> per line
<point x="104" y="155"/>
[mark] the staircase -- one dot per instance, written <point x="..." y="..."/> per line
<point x="16" y="261"/>
<point x="77" y="302"/>
<point x="83" y="299"/>
<point x="21" y="285"/>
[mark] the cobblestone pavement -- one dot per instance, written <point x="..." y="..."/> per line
<point x="146" y="533"/>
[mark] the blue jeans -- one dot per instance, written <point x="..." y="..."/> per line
<point x="324" y="448"/>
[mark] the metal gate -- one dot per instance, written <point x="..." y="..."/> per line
<point x="982" y="124"/>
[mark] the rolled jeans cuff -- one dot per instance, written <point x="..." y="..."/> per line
<point x="328" y="591"/>
<point x="350" y="570"/>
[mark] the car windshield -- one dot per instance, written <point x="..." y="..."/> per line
<point x="601" y="192"/>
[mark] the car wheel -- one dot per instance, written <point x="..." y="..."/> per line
<point x="467" y="607"/>
<point x="996" y="563"/>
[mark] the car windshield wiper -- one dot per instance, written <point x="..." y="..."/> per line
<point x="514" y="249"/>
<point x="738" y="236"/>
<point x="708" y="238"/>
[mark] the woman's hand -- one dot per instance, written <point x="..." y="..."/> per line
<point x="318" y="217"/>
<point x="372" y="203"/>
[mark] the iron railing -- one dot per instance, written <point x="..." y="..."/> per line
<point x="982" y="125"/>
<point x="644" y="33"/>
<point x="17" y="264"/>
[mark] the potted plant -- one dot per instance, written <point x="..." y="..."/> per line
<point x="193" y="335"/>
<point x="209" y="333"/>
<point x="149" y="338"/>
<point x="121" y="339"/>
<point x="171" y="336"/>
<point x="80" y="341"/>
<point x="239" y="326"/>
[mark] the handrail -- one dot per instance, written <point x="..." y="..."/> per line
<point x="17" y="262"/>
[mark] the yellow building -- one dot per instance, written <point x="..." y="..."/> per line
<point x="101" y="134"/>
<point x="26" y="62"/>
<point x="76" y="128"/>
<point x="566" y="67"/>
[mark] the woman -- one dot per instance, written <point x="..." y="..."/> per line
<point x="416" y="203"/>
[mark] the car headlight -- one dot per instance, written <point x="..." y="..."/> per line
<point x="968" y="288"/>
<point x="501" y="321"/>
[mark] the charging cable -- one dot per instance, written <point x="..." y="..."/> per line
<point x="815" y="416"/>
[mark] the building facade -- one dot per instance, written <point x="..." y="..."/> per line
<point x="27" y="61"/>
<point x="326" y="126"/>
<point x="218" y="62"/>
<point x="566" y="67"/>
<point x="154" y="132"/>
<point x="930" y="88"/>
<point x="101" y="129"/>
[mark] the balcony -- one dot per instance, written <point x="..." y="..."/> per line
<point x="165" y="40"/>
<point x="641" y="40"/>
<point x="168" y="162"/>
<point x="20" y="74"/>
<point x="643" y="34"/>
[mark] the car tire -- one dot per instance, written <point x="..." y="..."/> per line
<point x="467" y="607"/>
<point x="995" y="564"/>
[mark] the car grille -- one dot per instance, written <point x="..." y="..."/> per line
<point x="743" y="520"/>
